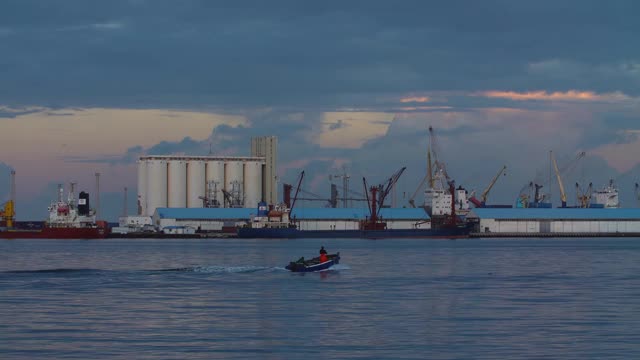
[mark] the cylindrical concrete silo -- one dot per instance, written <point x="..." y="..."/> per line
<point x="195" y="183"/>
<point x="156" y="185"/>
<point x="215" y="175"/>
<point x="177" y="184"/>
<point x="252" y="183"/>
<point x="233" y="181"/>
<point x="142" y="187"/>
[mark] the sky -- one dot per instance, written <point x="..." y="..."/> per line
<point x="89" y="86"/>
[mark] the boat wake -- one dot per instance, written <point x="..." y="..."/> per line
<point x="227" y="269"/>
<point x="54" y="271"/>
<point x="338" y="267"/>
<point x="191" y="269"/>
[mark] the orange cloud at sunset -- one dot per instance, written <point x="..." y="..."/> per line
<point x="349" y="130"/>
<point x="415" y="99"/>
<point x="571" y="95"/>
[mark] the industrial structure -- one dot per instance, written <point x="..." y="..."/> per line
<point x="217" y="219"/>
<point x="183" y="181"/>
<point x="556" y="221"/>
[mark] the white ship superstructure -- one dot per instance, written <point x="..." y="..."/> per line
<point x="437" y="199"/>
<point x="462" y="201"/>
<point x="72" y="212"/>
<point x="607" y="197"/>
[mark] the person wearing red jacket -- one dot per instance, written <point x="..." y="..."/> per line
<point x="323" y="255"/>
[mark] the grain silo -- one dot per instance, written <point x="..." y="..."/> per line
<point x="177" y="196"/>
<point x="156" y="193"/>
<point x="215" y="180"/>
<point x="252" y="183"/>
<point x="233" y="182"/>
<point x="195" y="183"/>
<point x="180" y="181"/>
<point x="266" y="147"/>
<point x="142" y="187"/>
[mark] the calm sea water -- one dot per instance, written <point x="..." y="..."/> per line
<point x="389" y="299"/>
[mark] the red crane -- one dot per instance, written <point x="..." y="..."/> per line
<point x="376" y="202"/>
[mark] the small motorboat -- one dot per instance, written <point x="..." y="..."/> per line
<point x="302" y="265"/>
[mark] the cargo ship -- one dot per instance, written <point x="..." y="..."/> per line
<point x="275" y="223"/>
<point x="68" y="219"/>
<point x="292" y="232"/>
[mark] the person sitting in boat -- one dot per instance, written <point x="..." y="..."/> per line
<point x="323" y="254"/>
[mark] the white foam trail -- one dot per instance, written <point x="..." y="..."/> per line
<point x="229" y="269"/>
<point x="339" y="267"/>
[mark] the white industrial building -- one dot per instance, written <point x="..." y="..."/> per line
<point x="182" y="181"/>
<point x="585" y="221"/>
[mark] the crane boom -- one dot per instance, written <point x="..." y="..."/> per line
<point x="386" y="189"/>
<point x="295" y="196"/>
<point x="429" y="164"/>
<point x="428" y="178"/>
<point x="563" y="195"/>
<point x="415" y="193"/>
<point x="485" y="193"/>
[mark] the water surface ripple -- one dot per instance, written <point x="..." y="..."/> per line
<point x="389" y="299"/>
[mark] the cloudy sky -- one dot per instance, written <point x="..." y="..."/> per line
<point x="88" y="86"/>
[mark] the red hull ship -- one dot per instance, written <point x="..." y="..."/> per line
<point x="68" y="219"/>
<point x="56" y="233"/>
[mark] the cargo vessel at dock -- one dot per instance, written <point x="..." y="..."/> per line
<point x="68" y="219"/>
<point x="275" y="222"/>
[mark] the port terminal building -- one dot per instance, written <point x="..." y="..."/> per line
<point x="218" y="219"/>
<point x="183" y="181"/>
<point x="555" y="221"/>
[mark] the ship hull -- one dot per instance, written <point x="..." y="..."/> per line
<point x="56" y="233"/>
<point x="293" y="233"/>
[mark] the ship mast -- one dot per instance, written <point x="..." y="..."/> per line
<point x="429" y="164"/>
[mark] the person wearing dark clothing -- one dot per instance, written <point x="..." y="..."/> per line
<point x="323" y="254"/>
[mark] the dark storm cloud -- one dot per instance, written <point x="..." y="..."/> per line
<point x="311" y="55"/>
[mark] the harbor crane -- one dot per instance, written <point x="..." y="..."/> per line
<point x="570" y="165"/>
<point x="483" y="197"/>
<point x="433" y="165"/>
<point x="375" y="202"/>
<point x="563" y="195"/>
<point x="345" y="185"/>
<point x="295" y="196"/>
<point x="539" y="198"/>
<point x="584" y="197"/>
<point x="8" y="212"/>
